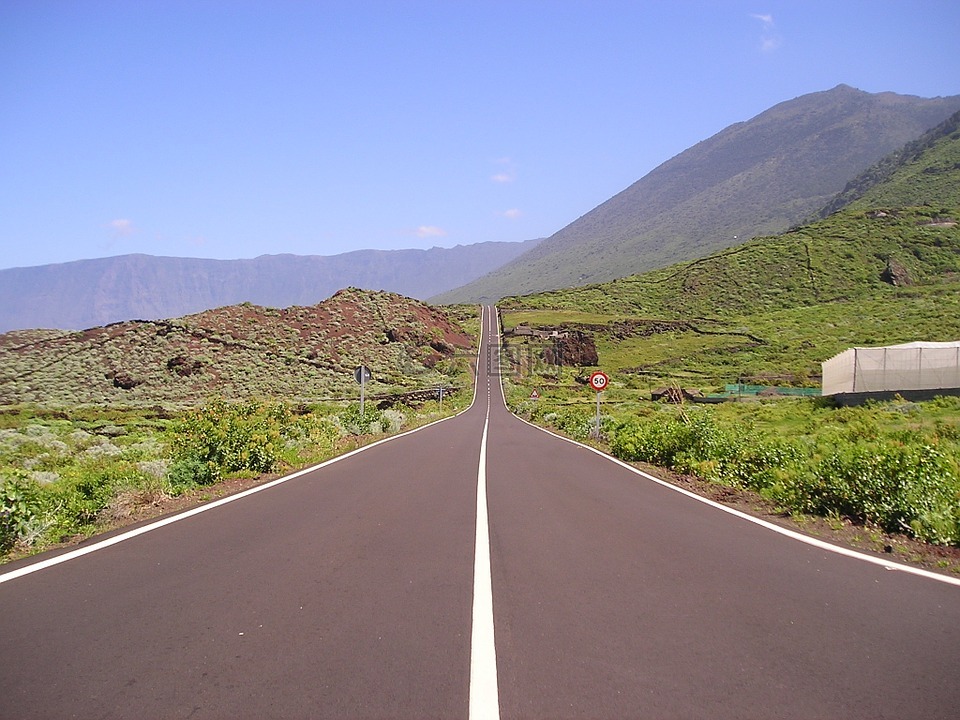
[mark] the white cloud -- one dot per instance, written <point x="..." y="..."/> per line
<point x="122" y="227"/>
<point x="502" y="177"/>
<point x="770" y="39"/>
<point x="429" y="231"/>
<point x="512" y="213"/>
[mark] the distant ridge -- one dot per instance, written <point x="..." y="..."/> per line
<point x="90" y="293"/>
<point x="753" y="178"/>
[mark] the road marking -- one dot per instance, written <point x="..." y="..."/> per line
<point x="484" y="691"/>
<point x="806" y="539"/>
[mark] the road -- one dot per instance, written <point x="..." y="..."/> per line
<point x="367" y="588"/>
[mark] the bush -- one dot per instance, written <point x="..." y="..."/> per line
<point x="898" y="481"/>
<point x="702" y="447"/>
<point x="370" y="422"/>
<point x="188" y="472"/>
<point x="901" y="488"/>
<point x="19" y="508"/>
<point x="224" y="438"/>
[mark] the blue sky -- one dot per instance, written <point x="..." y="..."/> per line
<point x="235" y="129"/>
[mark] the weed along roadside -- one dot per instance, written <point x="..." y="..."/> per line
<point x="883" y="477"/>
<point x="68" y="475"/>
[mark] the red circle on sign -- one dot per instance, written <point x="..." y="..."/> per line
<point x="598" y="381"/>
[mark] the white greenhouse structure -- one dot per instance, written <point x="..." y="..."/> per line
<point x="911" y="366"/>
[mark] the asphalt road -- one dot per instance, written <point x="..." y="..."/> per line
<point x="349" y="592"/>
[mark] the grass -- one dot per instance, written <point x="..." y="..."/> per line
<point x="776" y="307"/>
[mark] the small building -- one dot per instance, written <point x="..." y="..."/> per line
<point x="916" y="371"/>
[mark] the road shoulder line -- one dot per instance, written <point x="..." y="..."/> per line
<point x="806" y="539"/>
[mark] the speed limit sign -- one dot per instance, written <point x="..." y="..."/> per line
<point x="598" y="381"/>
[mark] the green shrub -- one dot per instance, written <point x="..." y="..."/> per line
<point x="578" y="424"/>
<point x="370" y="422"/>
<point x="701" y="446"/>
<point x="227" y="437"/>
<point x="72" y="504"/>
<point x="188" y="472"/>
<point x="20" y="501"/>
<point x="898" y="480"/>
<point x="901" y="488"/>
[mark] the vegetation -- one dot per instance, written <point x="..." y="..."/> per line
<point x="298" y="354"/>
<point x="711" y="321"/>
<point x="894" y="465"/>
<point x="751" y="179"/>
<point x="71" y="473"/>
<point x="910" y="176"/>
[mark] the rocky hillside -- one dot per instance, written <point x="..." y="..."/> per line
<point x="754" y="178"/>
<point x="87" y="293"/>
<point x="306" y="353"/>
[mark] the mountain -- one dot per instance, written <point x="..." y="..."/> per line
<point x="88" y="293"/>
<point x="240" y="351"/>
<point x="923" y="172"/>
<point x="883" y="269"/>
<point x="753" y="178"/>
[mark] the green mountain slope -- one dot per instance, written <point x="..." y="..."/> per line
<point x="753" y="178"/>
<point x="884" y="269"/>
<point x="913" y="175"/>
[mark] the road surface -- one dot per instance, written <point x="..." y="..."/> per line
<point x="367" y="588"/>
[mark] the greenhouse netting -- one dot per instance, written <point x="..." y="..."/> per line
<point x="911" y="366"/>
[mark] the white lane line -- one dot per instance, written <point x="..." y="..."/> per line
<point x="806" y="539"/>
<point x="484" y="691"/>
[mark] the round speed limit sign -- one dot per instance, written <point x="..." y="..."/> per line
<point x="598" y="381"/>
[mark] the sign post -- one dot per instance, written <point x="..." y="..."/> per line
<point x="598" y="381"/>
<point x="362" y="375"/>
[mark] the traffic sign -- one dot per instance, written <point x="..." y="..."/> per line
<point x="598" y="381"/>
<point x="362" y="374"/>
<point x="535" y="395"/>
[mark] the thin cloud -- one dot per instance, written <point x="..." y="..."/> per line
<point x="429" y="231"/>
<point x="507" y="174"/>
<point x="122" y="227"/>
<point x="512" y="213"/>
<point x="770" y="39"/>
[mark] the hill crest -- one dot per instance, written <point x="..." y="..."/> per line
<point x="300" y="352"/>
